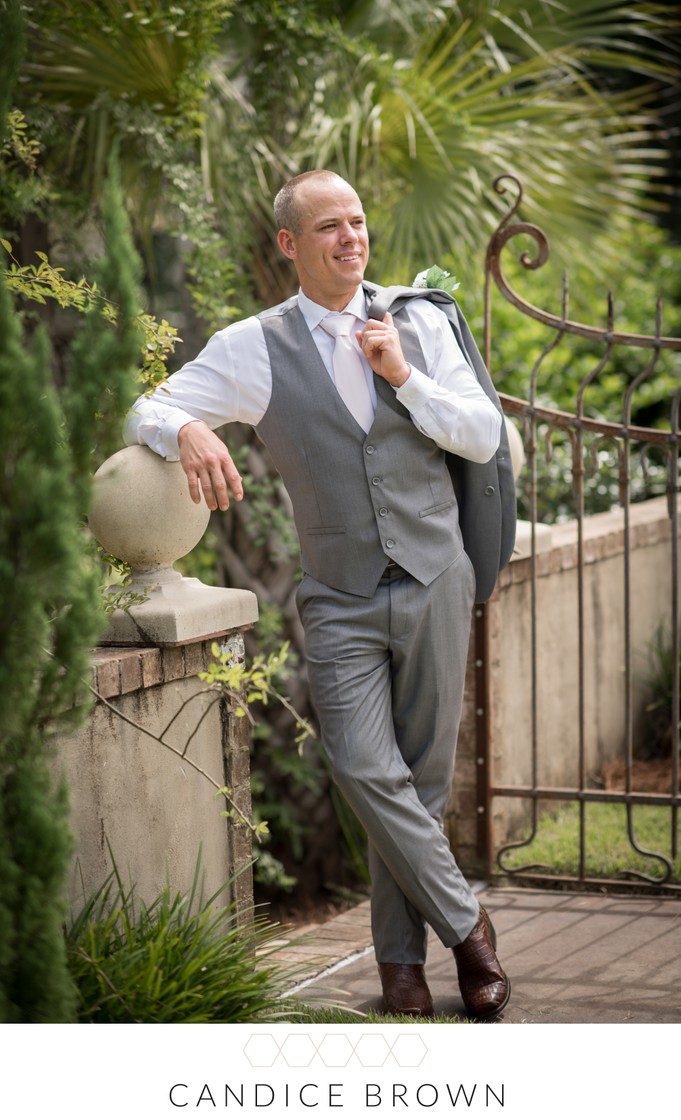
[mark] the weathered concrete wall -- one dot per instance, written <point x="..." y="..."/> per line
<point x="131" y="793"/>
<point x="509" y="665"/>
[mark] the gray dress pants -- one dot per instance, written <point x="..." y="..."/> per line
<point x="386" y="678"/>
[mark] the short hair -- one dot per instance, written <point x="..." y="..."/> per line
<point x="286" y="208"/>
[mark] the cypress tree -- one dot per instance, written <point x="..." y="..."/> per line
<point x="49" y="601"/>
<point x="49" y="617"/>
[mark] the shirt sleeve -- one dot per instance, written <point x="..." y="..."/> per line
<point x="229" y="380"/>
<point x="446" y="401"/>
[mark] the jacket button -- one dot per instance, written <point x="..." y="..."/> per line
<point x="389" y="543"/>
<point x="370" y="449"/>
<point x="383" y="512"/>
<point x="489" y="490"/>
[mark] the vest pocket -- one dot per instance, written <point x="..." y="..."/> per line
<point x="439" y="508"/>
<point x="324" y="530"/>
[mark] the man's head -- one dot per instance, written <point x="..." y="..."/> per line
<point x="323" y="231"/>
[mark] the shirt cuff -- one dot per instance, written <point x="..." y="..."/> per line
<point x="157" y="432"/>
<point x="416" y="391"/>
<point x="171" y="430"/>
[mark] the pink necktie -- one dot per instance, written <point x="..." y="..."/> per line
<point x="348" y="369"/>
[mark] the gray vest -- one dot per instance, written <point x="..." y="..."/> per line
<point x="358" y="499"/>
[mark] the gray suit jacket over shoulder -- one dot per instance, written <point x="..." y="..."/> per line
<point x="485" y="492"/>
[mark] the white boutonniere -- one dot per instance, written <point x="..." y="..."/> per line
<point x="436" y="277"/>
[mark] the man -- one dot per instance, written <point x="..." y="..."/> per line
<point x="359" y="436"/>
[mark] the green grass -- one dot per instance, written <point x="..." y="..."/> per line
<point x="302" y="1013"/>
<point x="608" y="850"/>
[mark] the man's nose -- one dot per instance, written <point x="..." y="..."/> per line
<point x="348" y="232"/>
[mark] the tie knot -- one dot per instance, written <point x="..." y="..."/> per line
<point x="338" y="324"/>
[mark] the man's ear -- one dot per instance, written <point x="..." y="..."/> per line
<point x="287" y="244"/>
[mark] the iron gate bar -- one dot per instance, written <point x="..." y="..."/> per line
<point x="621" y="435"/>
<point x="673" y="488"/>
<point x="574" y="793"/>
<point x="566" y="421"/>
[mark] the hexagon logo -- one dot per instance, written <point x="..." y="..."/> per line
<point x="335" y="1050"/>
<point x="262" y="1050"/>
<point x="298" y="1050"/>
<point x="409" y="1050"/>
<point x="372" y="1050"/>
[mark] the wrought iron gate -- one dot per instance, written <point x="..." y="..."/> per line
<point x="636" y="453"/>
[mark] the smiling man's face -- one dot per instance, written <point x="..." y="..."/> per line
<point x="330" y="247"/>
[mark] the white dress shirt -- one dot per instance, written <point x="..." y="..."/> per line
<point x="231" y="380"/>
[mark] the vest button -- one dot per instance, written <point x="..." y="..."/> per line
<point x="370" y="449"/>
<point x="389" y="543"/>
<point x="383" y="512"/>
<point x="489" y="490"/>
<point x="376" y="480"/>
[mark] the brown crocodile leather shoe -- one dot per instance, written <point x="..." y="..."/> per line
<point x="485" y="987"/>
<point x="405" y="991"/>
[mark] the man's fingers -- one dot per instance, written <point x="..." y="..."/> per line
<point x="380" y="342"/>
<point x="209" y="466"/>
<point x="214" y="490"/>
<point x="234" y="478"/>
<point x="194" y="488"/>
<point x="214" y="477"/>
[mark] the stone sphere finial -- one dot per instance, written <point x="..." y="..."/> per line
<point x="141" y="511"/>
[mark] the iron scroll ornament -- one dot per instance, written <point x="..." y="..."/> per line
<point x="508" y="229"/>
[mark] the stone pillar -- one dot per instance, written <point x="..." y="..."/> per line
<point x="152" y="806"/>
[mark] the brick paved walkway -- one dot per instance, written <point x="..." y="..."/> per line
<point x="572" y="958"/>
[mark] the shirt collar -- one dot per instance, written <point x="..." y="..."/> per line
<point x="313" y="313"/>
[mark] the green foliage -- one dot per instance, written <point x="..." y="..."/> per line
<point x="20" y="144"/>
<point x="148" y="51"/>
<point x="661" y="675"/>
<point x="459" y="95"/>
<point x="102" y="368"/>
<point x="178" y="959"/>
<point x="132" y="77"/>
<point x="48" y="604"/>
<point x="118" y="596"/>
<point x="45" y="281"/>
<point x="272" y="767"/>
<point x="257" y="682"/>
<point x="51" y="617"/>
<point x="270" y="872"/>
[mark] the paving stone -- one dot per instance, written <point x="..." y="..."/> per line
<point x="572" y="958"/>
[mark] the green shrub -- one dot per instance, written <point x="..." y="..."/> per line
<point x="180" y="959"/>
